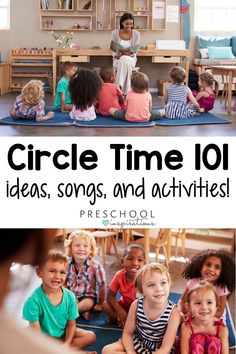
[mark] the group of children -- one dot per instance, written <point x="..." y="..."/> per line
<point x="75" y="285"/>
<point x="84" y="93"/>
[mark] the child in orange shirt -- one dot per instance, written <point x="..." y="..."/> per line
<point x="123" y="282"/>
<point x="138" y="102"/>
<point x="110" y="94"/>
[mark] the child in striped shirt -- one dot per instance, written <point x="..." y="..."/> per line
<point x="153" y="319"/>
<point x="175" y="97"/>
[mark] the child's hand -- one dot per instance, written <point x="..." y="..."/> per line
<point x="98" y="308"/>
<point x="122" y="316"/>
<point x="50" y="115"/>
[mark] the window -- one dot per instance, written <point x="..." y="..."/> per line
<point x="4" y="14"/>
<point x="214" y="15"/>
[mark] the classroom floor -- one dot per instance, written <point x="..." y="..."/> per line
<point x="25" y="280"/>
<point x="191" y="130"/>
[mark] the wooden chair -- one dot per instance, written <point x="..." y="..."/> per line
<point x="105" y="239"/>
<point x="162" y="241"/>
<point x="159" y="241"/>
<point x="225" y="89"/>
<point x="180" y="234"/>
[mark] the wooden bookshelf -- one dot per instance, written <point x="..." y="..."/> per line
<point x="101" y="15"/>
<point x="28" y="64"/>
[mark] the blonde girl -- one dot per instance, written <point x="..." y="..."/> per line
<point x="202" y="332"/>
<point x="138" y="102"/>
<point x="175" y="97"/>
<point x="85" y="274"/>
<point x="30" y="103"/>
<point x="153" y="319"/>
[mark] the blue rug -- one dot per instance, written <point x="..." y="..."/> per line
<point x="206" y="118"/>
<point x="109" y="333"/>
<point x="63" y="119"/>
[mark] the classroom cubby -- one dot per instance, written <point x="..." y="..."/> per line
<point x="101" y="15"/>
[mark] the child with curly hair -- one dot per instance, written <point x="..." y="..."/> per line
<point x="30" y="103"/>
<point x="110" y="94"/>
<point x="218" y="268"/>
<point x="86" y="276"/>
<point x="84" y="89"/>
<point x="202" y="332"/>
<point x="63" y="99"/>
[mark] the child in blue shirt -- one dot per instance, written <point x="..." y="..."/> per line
<point x="63" y="99"/>
<point x="52" y="309"/>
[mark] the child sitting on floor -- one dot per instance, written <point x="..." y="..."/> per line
<point x="30" y="103"/>
<point x="84" y="89"/>
<point x="85" y="274"/>
<point x="206" y="96"/>
<point x="52" y="309"/>
<point x="110" y="94"/>
<point x="123" y="282"/>
<point x="175" y="97"/>
<point x="63" y="99"/>
<point x="218" y="268"/>
<point x="153" y="319"/>
<point x="138" y="102"/>
<point x="202" y="332"/>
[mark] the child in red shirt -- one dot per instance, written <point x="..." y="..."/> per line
<point x="123" y="282"/>
<point x="110" y="94"/>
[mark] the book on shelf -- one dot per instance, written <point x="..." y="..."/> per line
<point x="67" y="5"/>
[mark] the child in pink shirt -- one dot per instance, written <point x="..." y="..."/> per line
<point x="123" y="282"/>
<point x="110" y="94"/>
<point x="138" y="102"/>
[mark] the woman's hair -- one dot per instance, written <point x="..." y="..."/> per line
<point x="129" y="248"/>
<point x="84" y="87"/>
<point x="78" y="235"/>
<point x="207" y="78"/>
<point x="227" y="276"/>
<point x="124" y="17"/>
<point x="202" y="285"/>
<point x="106" y="73"/>
<point x="139" y="82"/>
<point x="177" y="74"/>
<point x="32" y="92"/>
<point x="150" y="268"/>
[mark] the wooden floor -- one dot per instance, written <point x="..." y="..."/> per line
<point x="191" y="130"/>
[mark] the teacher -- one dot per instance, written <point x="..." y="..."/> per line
<point x="125" y="60"/>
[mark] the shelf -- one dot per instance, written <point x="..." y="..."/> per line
<point x="122" y="5"/>
<point x="25" y="66"/>
<point x="141" y="5"/>
<point x="30" y="75"/>
<point x="66" y="22"/>
<point x="141" y="22"/>
<point x="103" y="15"/>
<point x="56" y="5"/>
<point x="159" y="13"/>
<point x="84" y="5"/>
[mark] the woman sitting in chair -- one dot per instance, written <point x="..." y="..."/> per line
<point x="124" y="44"/>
